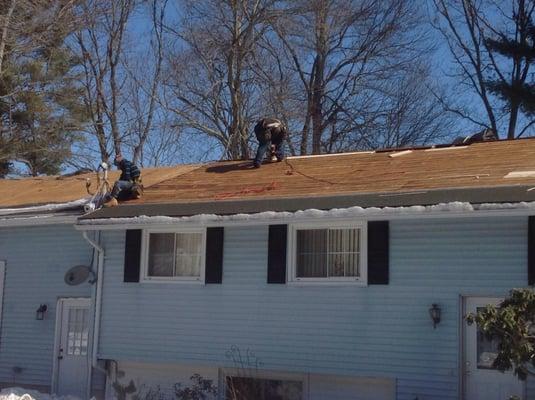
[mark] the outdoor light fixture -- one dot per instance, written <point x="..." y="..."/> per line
<point x="40" y="313"/>
<point x="434" y="313"/>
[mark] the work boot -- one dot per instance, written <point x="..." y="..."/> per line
<point x="112" y="202"/>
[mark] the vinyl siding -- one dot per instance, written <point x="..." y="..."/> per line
<point x="36" y="261"/>
<point x="374" y="331"/>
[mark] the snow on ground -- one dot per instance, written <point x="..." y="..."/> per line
<point x="17" y="393"/>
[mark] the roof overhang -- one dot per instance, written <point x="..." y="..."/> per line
<point x="502" y="194"/>
<point x="504" y="201"/>
<point x="37" y="220"/>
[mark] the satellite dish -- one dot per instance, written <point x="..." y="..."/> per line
<point x="77" y="275"/>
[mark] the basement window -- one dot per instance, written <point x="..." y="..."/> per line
<point x="247" y="388"/>
<point x="174" y="256"/>
<point x="328" y="253"/>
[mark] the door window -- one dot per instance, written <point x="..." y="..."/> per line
<point x="487" y="350"/>
<point x="77" y="331"/>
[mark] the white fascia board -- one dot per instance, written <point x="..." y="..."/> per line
<point x="444" y="210"/>
<point x="38" y="221"/>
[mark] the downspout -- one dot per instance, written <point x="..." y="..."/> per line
<point x="98" y="300"/>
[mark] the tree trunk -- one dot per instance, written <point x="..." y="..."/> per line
<point x="3" y="38"/>
<point x="318" y="86"/>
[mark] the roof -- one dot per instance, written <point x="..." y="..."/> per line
<point x="500" y="171"/>
<point x="28" y="192"/>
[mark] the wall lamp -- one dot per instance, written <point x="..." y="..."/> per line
<point x="434" y="313"/>
<point x="40" y="313"/>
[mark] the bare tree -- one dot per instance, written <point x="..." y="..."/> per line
<point x="211" y="74"/>
<point x="121" y="85"/>
<point x="350" y="50"/>
<point x="469" y="28"/>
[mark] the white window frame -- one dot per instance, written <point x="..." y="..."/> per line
<point x="171" y="279"/>
<point x="254" y="373"/>
<point x="362" y="280"/>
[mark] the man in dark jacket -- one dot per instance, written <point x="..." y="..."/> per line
<point x="271" y="134"/>
<point x="129" y="177"/>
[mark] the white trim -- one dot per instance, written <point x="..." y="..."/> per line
<point x="330" y="155"/>
<point x="57" y="335"/>
<point x="446" y="148"/>
<point x="399" y="153"/>
<point x="520" y="174"/>
<point x="39" y="220"/>
<point x="145" y="278"/>
<point x="311" y="215"/>
<point x="2" y="286"/>
<point x="361" y="280"/>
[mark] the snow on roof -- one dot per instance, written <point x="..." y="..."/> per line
<point x="454" y="208"/>
<point x="45" y="208"/>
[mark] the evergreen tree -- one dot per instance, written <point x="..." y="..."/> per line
<point x="518" y="47"/>
<point x="41" y="107"/>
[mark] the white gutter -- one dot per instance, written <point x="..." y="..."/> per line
<point x="98" y="304"/>
<point x="443" y="210"/>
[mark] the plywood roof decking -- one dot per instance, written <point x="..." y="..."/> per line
<point x="372" y="175"/>
<point x="479" y="165"/>
<point x="58" y="189"/>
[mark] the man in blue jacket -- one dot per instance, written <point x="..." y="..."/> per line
<point x="127" y="183"/>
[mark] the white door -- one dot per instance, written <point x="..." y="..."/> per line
<point x="72" y="351"/>
<point x="481" y="381"/>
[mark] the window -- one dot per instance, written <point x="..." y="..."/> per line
<point x="77" y="331"/>
<point x="176" y="256"/>
<point x="487" y="349"/>
<point x="328" y="253"/>
<point x="247" y="388"/>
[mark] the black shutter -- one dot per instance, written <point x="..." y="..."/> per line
<point x="214" y="255"/>
<point x="531" y="250"/>
<point x="378" y="258"/>
<point x="132" y="255"/>
<point x="277" y="253"/>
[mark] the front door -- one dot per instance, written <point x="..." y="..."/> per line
<point x="72" y="349"/>
<point x="481" y="380"/>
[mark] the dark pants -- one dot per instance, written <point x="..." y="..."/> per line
<point x="121" y="186"/>
<point x="264" y="147"/>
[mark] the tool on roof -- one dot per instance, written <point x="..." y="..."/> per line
<point x="103" y="188"/>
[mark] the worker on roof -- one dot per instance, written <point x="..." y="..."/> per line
<point x="271" y="134"/>
<point x="128" y="184"/>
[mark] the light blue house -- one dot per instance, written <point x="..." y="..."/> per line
<point x="324" y="277"/>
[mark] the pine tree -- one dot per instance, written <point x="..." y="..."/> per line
<point x="41" y="106"/>
<point x="519" y="48"/>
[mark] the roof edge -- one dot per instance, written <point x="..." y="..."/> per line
<point x="479" y="195"/>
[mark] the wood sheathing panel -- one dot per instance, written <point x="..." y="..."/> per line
<point x="58" y="189"/>
<point x="480" y="165"/>
<point x="477" y="165"/>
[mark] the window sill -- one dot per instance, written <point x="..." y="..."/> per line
<point x="173" y="280"/>
<point x="305" y="282"/>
